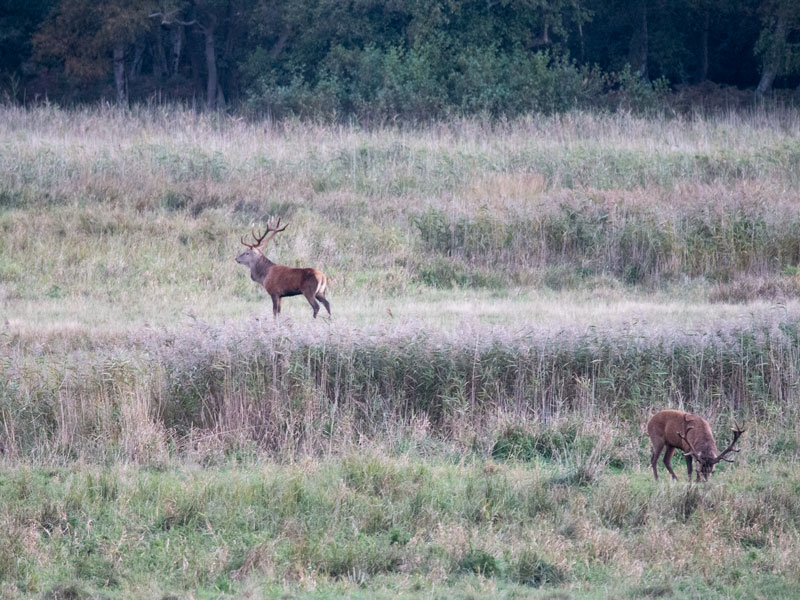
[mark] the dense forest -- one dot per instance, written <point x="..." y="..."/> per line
<point x="411" y="59"/>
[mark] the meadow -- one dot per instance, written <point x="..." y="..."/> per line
<point x="511" y="301"/>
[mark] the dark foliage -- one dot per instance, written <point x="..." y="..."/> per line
<point x="371" y="60"/>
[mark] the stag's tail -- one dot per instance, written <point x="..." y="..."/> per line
<point x="322" y="284"/>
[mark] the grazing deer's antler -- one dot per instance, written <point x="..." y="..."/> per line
<point x="692" y="452"/>
<point x="737" y="433"/>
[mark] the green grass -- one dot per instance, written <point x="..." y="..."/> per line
<point x="511" y="301"/>
<point x="369" y="523"/>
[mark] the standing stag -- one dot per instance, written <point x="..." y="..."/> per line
<point x="692" y="435"/>
<point x="280" y="281"/>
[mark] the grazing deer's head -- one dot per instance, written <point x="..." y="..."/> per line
<point x="253" y="255"/>
<point x="707" y="460"/>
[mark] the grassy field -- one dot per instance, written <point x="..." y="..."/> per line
<point x="511" y="301"/>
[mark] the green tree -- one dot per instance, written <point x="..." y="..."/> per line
<point x="779" y="56"/>
<point x="91" y="38"/>
<point x="221" y="23"/>
<point x="19" y="19"/>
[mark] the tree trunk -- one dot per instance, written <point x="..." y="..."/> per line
<point x="773" y="55"/>
<point x="177" y="47"/>
<point x="211" y="66"/>
<point x="541" y="40"/>
<point x="138" y="59"/>
<point x="220" y="98"/>
<point x="279" y="45"/>
<point x="638" y="53"/>
<point x="766" y="81"/>
<point x="196" y="60"/>
<point x="159" y="57"/>
<point x="225" y="78"/>
<point x="703" y="74"/>
<point x="119" y="74"/>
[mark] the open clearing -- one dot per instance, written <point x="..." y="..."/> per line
<point x="511" y="302"/>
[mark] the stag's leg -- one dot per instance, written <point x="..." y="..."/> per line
<point x="668" y="461"/>
<point x="314" y="304"/>
<point x="327" y="306"/>
<point x="689" y="466"/>
<point x="276" y="305"/>
<point x="657" y="448"/>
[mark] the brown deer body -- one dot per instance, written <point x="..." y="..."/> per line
<point x="692" y="435"/>
<point x="280" y="281"/>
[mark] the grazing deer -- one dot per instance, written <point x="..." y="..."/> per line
<point x="692" y="435"/>
<point x="280" y="281"/>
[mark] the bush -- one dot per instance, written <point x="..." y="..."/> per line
<point x="628" y="91"/>
<point x="531" y="569"/>
<point x="637" y="244"/>
<point x="425" y="81"/>
<point x="478" y="561"/>
<point x="516" y="443"/>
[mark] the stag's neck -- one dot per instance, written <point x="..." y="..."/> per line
<point x="260" y="270"/>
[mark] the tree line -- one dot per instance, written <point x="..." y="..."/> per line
<point x="393" y="58"/>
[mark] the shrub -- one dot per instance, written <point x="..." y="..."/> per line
<point x="478" y="561"/>
<point x="547" y="443"/>
<point x="532" y="569"/>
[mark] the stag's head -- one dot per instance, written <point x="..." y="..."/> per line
<point x="253" y="253"/>
<point x="707" y="459"/>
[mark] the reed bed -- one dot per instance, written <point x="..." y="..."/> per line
<point x="297" y="390"/>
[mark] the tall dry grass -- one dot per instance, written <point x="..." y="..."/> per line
<point x="297" y="390"/>
<point x="143" y="209"/>
<point x="153" y="156"/>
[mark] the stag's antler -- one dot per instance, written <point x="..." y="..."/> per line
<point x="256" y="238"/>
<point x="272" y="226"/>
<point x="737" y="433"/>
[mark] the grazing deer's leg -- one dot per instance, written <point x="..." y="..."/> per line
<point x="327" y="306"/>
<point x="689" y="466"/>
<point x="668" y="461"/>
<point x="657" y="448"/>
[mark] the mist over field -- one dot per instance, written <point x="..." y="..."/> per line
<point x="512" y="299"/>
